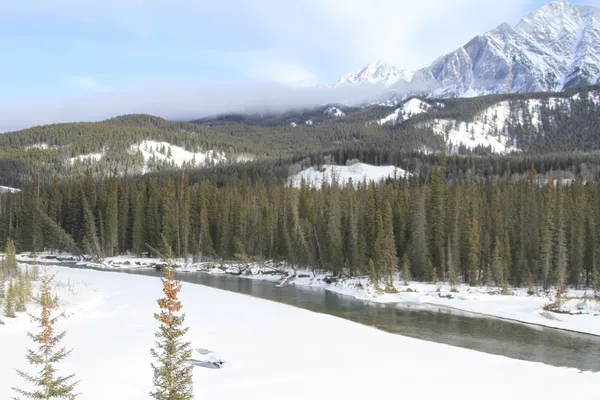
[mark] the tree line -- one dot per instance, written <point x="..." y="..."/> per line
<point x="522" y="232"/>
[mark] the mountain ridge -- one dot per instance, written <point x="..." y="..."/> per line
<point x="551" y="49"/>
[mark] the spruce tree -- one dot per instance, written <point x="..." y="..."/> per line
<point x="497" y="268"/>
<point x="373" y="274"/>
<point x="474" y="250"/>
<point x="10" y="263"/>
<point x="172" y="373"/>
<point x="46" y="382"/>
<point x="22" y="293"/>
<point x="406" y="268"/>
<point x="560" y="243"/>
<point x="9" y="303"/>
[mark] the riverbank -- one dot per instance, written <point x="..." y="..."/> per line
<point x="580" y="311"/>
<point x="270" y="349"/>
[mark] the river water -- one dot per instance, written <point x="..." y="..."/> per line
<point x="489" y="335"/>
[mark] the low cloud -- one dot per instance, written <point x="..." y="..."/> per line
<point x="176" y="101"/>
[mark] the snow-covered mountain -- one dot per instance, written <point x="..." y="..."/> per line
<point x="551" y="49"/>
<point x="377" y="72"/>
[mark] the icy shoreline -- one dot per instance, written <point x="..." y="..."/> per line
<point x="580" y="312"/>
<point x="270" y="349"/>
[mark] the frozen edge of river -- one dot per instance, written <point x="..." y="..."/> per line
<point x="475" y="301"/>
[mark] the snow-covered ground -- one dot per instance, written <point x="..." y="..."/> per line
<point x="4" y="189"/>
<point x="86" y="158"/>
<point x="489" y="126"/>
<point x="271" y="351"/>
<point x="407" y="110"/>
<point x="175" y="155"/>
<point x="487" y="129"/>
<point x="582" y="311"/>
<point x="334" y="112"/>
<point x="41" y="146"/>
<point x="357" y="172"/>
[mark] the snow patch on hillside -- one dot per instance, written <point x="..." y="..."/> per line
<point x="167" y="153"/>
<point x="6" y="189"/>
<point x="490" y="127"/>
<point x="356" y="173"/>
<point x="334" y="112"/>
<point x="86" y="158"/>
<point x="41" y="146"/>
<point x="487" y="129"/>
<point x="408" y="109"/>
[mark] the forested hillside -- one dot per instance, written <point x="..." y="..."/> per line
<point x="533" y="123"/>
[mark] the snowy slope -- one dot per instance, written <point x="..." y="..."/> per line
<point x="5" y="189"/>
<point x="334" y="112"/>
<point x="270" y="349"/>
<point x="377" y="72"/>
<point x="344" y="174"/>
<point x="407" y="110"/>
<point x="41" y="146"/>
<point x="554" y="48"/>
<point x="489" y="127"/>
<point x="86" y="158"/>
<point x="163" y="152"/>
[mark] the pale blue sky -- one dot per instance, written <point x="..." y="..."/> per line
<point x="65" y="49"/>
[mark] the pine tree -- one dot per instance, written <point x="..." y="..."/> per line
<point x="22" y="293"/>
<point x="112" y="222"/>
<point x="138" y="228"/>
<point x="547" y="232"/>
<point x="9" y="303"/>
<point x="373" y="274"/>
<point x="172" y="373"/>
<point x="497" y="268"/>
<point x="406" y="268"/>
<point x="418" y="237"/>
<point x="487" y="276"/>
<point x="474" y="250"/>
<point x="47" y="384"/>
<point x="10" y="263"/>
<point x="2" y="284"/>
<point x="560" y="243"/>
<point x="437" y="216"/>
<point x="388" y="259"/>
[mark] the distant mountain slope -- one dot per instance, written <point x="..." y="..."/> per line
<point x="554" y="48"/>
<point x="317" y="115"/>
<point x="134" y="144"/>
<point x="377" y="72"/>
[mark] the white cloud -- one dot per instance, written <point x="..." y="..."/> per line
<point x="277" y="43"/>
<point x="177" y="101"/>
<point x="329" y="35"/>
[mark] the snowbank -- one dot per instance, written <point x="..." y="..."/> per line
<point x="272" y="351"/>
<point x="358" y="172"/>
<point x="579" y="313"/>
<point x="408" y="109"/>
<point x="6" y="189"/>
<point x="174" y="155"/>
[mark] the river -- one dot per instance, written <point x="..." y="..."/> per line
<point x="485" y="334"/>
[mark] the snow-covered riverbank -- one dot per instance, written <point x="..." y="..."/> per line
<point x="518" y="306"/>
<point x="271" y="350"/>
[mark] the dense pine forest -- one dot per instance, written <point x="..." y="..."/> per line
<point x="531" y="217"/>
<point x="493" y="231"/>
